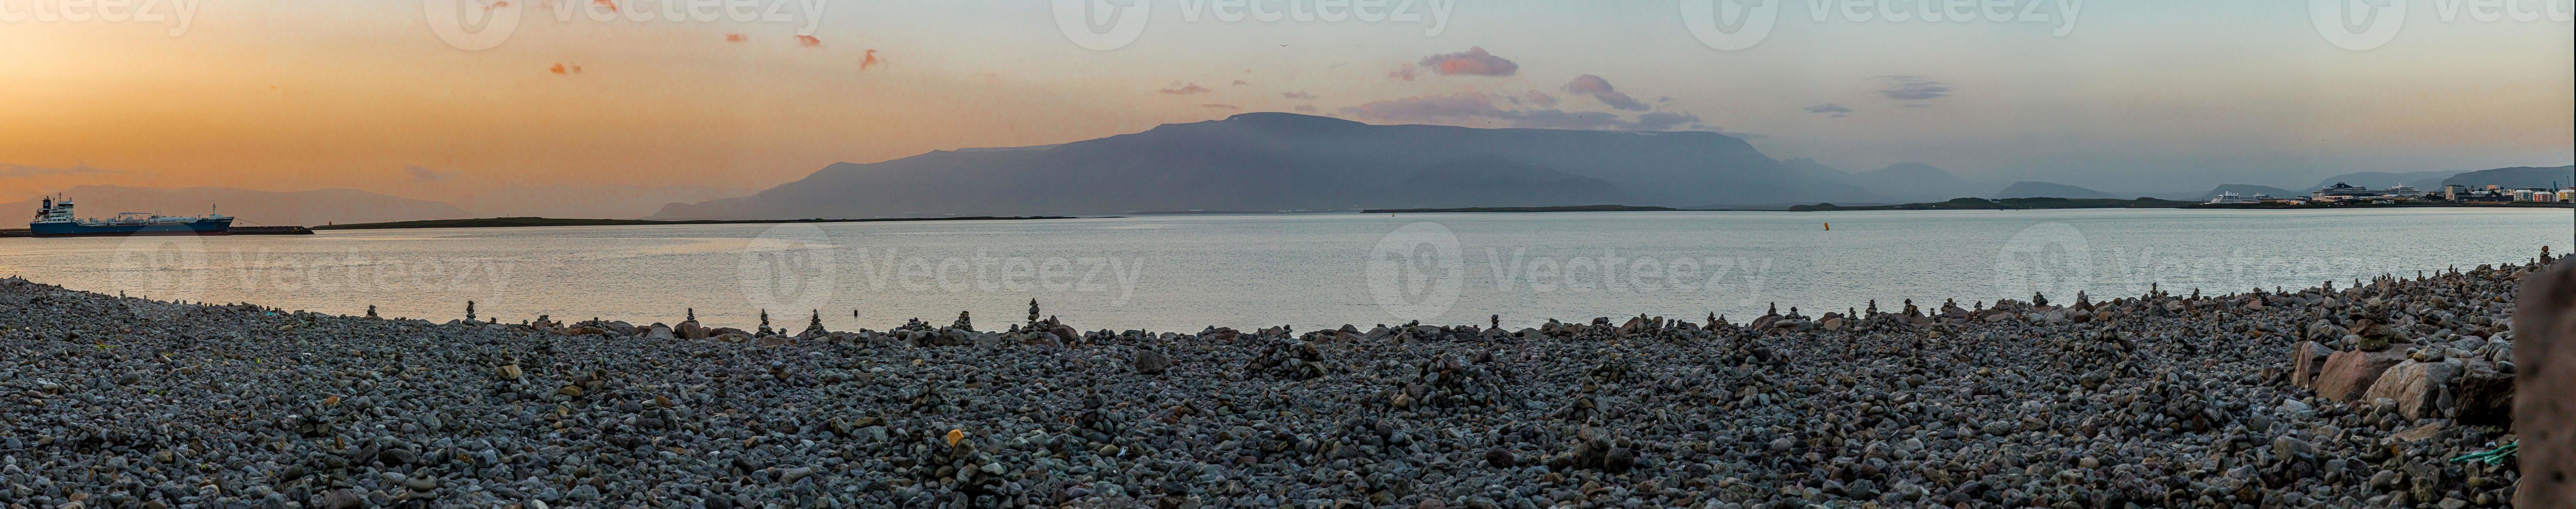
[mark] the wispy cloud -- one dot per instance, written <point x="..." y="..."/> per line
<point x="1913" y="88"/>
<point x="1221" y="106"/>
<point x="1831" y="109"/>
<point x="1193" y="88"/>
<point x="420" y="174"/>
<point x="24" y="171"/>
<point x="1302" y="96"/>
<point x="1600" y="89"/>
<point x="1542" y="99"/>
<point x="1407" y="73"/>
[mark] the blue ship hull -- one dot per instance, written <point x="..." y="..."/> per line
<point x="204" y="227"/>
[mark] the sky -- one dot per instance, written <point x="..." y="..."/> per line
<point x="2143" y="95"/>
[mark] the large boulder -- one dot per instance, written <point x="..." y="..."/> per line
<point x="2422" y="389"/>
<point x="2544" y="327"/>
<point x="2348" y="374"/>
<point x="2483" y="396"/>
<point x="2306" y="360"/>
<point x="1152" y="362"/>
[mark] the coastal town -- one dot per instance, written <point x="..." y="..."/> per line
<point x="2345" y="193"/>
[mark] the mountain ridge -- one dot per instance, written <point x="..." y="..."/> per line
<point x="1289" y="162"/>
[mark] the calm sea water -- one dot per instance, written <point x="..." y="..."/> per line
<point x="1181" y="273"/>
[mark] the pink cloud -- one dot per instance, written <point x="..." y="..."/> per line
<point x="1475" y="62"/>
<point x="1600" y="89"/>
<point x="1193" y="88"/>
<point x="1542" y="99"/>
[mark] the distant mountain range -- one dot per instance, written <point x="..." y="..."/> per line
<point x="2520" y="176"/>
<point x="2427" y="180"/>
<point x="1288" y="162"/>
<point x="1908" y="182"/>
<point x="280" y="208"/>
<point x="2031" y="189"/>
<point x="1254" y="162"/>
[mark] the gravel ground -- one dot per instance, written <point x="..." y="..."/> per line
<point x="2154" y="401"/>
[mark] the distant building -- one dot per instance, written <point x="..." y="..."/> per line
<point x="2231" y="197"/>
<point x="2341" y="191"/>
<point x="2568" y="194"/>
<point x="2452" y="192"/>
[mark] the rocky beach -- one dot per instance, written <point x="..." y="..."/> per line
<point x="2350" y="394"/>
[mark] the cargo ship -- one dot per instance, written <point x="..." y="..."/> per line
<point x="55" y="219"/>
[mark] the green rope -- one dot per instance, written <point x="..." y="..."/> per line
<point x="2493" y="457"/>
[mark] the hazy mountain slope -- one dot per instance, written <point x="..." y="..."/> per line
<point x="587" y="202"/>
<point x="1919" y="182"/>
<point x="2382" y="179"/>
<point x="2520" y="176"/>
<point x="2250" y="190"/>
<point x="2031" y="189"/>
<point x="1279" y="161"/>
<point x="282" y="208"/>
<point x="1488" y="181"/>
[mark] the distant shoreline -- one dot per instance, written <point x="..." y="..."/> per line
<point x="530" y="222"/>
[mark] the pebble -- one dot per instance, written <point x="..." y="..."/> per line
<point x="2159" y="400"/>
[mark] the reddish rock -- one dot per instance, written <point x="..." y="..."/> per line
<point x="2347" y="374"/>
<point x="2544" y="326"/>
<point x="2420" y="388"/>
<point x="2306" y="360"/>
